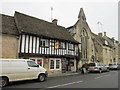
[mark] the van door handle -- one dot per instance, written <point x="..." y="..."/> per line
<point x="28" y="68"/>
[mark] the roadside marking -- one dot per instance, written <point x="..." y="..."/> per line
<point x="102" y="76"/>
<point x="64" y="84"/>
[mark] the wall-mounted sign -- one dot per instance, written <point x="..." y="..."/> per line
<point x="56" y="45"/>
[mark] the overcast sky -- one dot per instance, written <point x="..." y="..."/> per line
<point x="66" y="11"/>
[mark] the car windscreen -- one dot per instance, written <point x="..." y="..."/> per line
<point x="91" y="64"/>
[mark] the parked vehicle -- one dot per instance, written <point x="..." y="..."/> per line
<point x="114" y="66"/>
<point x="20" y="69"/>
<point x="97" y="67"/>
<point x="107" y="66"/>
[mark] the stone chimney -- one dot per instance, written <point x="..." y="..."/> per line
<point x="54" y="21"/>
<point x="113" y="39"/>
<point x="100" y="34"/>
<point x="104" y="33"/>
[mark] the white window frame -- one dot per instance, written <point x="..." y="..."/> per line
<point x="71" y="46"/>
<point x="62" y="45"/>
<point x="46" y="42"/>
<point x="54" y="59"/>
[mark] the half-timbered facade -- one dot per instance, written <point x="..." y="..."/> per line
<point x="46" y="43"/>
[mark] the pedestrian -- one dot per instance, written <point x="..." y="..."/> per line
<point x="83" y="69"/>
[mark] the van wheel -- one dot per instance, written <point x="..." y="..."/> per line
<point x="41" y="77"/>
<point x="3" y="81"/>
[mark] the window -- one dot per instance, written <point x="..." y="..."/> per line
<point x="62" y="45"/>
<point x="106" y="42"/>
<point x="71" y="46"/>
<point x="44" y="43"/>
<point x="55" y="64"/>
<point x="39" y="61"/>
<point x="32" y="64"/>
<point x="51" y="64"/>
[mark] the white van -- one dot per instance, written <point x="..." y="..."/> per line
<point x="20" y="69"/>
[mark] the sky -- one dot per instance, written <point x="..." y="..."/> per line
<point x="66" y="12"/>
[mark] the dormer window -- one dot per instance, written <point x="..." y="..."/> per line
<point x="106" y="42"/>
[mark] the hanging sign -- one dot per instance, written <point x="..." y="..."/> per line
<point x="56" y="45"/>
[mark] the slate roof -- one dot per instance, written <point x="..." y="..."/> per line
<point x="8" y="25"/>
<point x="102" y="40"/>
<point x="32" y="25"/>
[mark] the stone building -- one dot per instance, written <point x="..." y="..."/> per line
<point x="93" y="47"/>
<point x="9" y="37"/>
<point x="119" y="53"/>
<point x="82" y="33"/>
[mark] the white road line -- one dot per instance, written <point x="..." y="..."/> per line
<point x="102" y="76"/>
<point x="65" y="84"/>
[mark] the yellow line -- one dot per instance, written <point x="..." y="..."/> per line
<point x="101" y="76"/>
<point x="65" y="84"/>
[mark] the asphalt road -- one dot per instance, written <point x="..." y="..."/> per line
<point x="92" y="80"/>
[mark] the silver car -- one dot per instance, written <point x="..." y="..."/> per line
<point x="114" y="65"/>
<point x="97" y="67"/>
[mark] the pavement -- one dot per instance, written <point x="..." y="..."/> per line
<point x="63" y="74"/>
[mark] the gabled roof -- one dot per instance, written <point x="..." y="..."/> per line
<point x="102" y="40"/>
<point x="8" y="25"/>
<point x="32" y="25"/>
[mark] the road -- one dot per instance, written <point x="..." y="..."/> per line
<point x="92" y="80"/>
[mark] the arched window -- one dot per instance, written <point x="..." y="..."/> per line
<point x="84" y="43"/>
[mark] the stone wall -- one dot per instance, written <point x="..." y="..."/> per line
<point x="9" y="46"/>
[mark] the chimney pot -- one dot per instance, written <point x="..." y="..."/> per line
<point x="100" y="34"/>
<point x="104" y="33"/>
<point x="54" y="21"/>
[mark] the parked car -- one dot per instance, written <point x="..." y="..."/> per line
<point x="20" y="69"/>
<point x="97" y="67"/>
<point x="107" y="66"/>
<point x="114" y="65"/>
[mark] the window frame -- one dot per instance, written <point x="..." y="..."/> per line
<point x="62" y="45"/>
<point x="44" y="43"/>
<point x="73" y="47"/>
<point x="55" y="59"/>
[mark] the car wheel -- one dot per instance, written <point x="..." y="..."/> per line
<point x="3" y="81"/>
<point x="100" y="71"/>
<point x="41" y="77"/>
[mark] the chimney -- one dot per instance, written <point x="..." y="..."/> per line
<point x="54" y="21"/>
<point x="113" y="39"/>
<point x="104" y="33"/>
<point x="100" y="34"/>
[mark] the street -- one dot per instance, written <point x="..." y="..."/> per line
<point x="91" y="80"/>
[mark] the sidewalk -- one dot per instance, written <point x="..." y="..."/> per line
<point x="63" y="74"/>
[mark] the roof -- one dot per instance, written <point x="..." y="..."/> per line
<point x="8" y="25"/>
<point x="102" y="40"/>
<point x="32" y="25"/>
